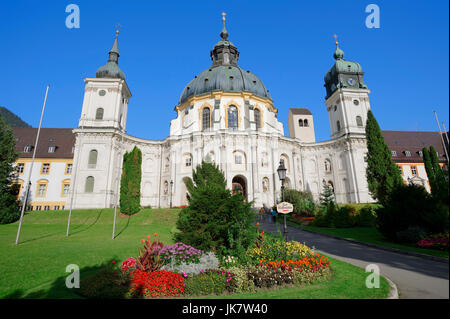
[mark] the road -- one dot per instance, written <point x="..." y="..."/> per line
<point x="415" y="277"/>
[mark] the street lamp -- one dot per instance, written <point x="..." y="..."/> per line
<point x="282" y="175"/>
<point x="171" y="185"/>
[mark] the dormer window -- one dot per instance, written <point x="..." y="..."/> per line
<point x="394" y="153"/>
<point x="27" y="149"/>
<point x="408" y="153"/>
<point x="420" y="153"/>
<point x="51" y="149"/>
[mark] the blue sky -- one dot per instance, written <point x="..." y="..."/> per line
<point x="163" y="45"/>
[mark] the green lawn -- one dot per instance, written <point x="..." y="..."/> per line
<point x="36" y="267"/>
<point x="371" y="235"/>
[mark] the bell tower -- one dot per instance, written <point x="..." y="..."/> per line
<point x="98" y="154"/>
<point x="106" y="96"/>
<point x="347" y="97"/>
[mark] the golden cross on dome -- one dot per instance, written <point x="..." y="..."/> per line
<point x="117" y="27"/>
<point x="335" y="37"/>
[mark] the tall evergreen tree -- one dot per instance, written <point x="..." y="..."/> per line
<point x="130" y="184"/>
<point x="215" y="219"/>
<point x="9" y="211"/>
<point x="429" y="169"/>
<point x="327" y="195"/>
<point x="382" y="173"/>
<point x="441" y="185"/>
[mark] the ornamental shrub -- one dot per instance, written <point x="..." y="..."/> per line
<point x="207" y="261"/>
<point x="303" y="202"/>
<point x="209" y="282"/>
<point x="411" y="235"/>
<point x="345" y="216"/>
<point x="366" y="216"/>
<point x="411" y="205"/>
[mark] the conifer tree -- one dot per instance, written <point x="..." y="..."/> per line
<point x="9" y="211"/>
<point x="441" y="185"/>
<point x="429" y="169"/>
<point x="327" y="195"/>
<point x="130" y="184"/>
<point x="382" y="173"/>
<point x="215" y="219"/>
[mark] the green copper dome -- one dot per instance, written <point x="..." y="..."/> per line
<point x="224" y="74"/>
<point x="343" y="74"/>
<point x="111" y="68"/>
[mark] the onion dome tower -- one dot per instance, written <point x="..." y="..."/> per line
<point x="347" y="96"/>
<point x="111" y="68"/>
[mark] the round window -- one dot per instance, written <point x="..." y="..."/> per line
<point x="102" y="92"/>
<point x="356" y="102"/>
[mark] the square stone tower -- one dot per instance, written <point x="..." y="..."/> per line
<point x="301" y="125"/>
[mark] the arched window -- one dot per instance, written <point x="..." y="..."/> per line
<point x="257" y="114"/>
<point x="232" y="117"/>
<point x="305" y="122"/>
<point x="338" y="126"/>
<point x="89" y="186"/>
<point x="92" y="158"/>
<point x="300" y="123"/>
<point x="206" y="119"/>
<point x="359" y="121"/>
<point x="99" y="114"/>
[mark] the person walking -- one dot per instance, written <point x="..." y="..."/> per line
<point x="274" y="214"/>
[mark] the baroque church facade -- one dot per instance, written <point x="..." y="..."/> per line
<point x="224" y="115"/>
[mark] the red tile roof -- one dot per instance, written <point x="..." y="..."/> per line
<point x="413" y="141"/>
<point x="62" y="138"/>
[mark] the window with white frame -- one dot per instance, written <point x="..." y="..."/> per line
<point x="45" y="168"/>
<point x="69" y="168"/>
<point x="51" y="149"/>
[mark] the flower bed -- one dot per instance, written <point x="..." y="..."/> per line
<point x="434" y="243"/>
<point x="181" y="270"/>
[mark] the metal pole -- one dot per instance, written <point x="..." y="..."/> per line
<point x="117" y="196"/>
<point x="31" y="167"/>
<point x="443" y="144"/>
<point x="74" y="174"/>
<point x="282" y="199"/>
<point x="445" y="133"/>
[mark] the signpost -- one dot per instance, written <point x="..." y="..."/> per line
<point x="285" y="208"/>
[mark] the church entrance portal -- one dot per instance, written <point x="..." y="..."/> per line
<point x="239" y="184"/>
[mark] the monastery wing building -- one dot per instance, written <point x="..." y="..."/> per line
<point x="224" y="115"/>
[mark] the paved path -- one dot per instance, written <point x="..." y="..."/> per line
<point x="415" y="277"/>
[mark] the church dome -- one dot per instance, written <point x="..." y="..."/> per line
<point x="227" y="78"/>
<point x="224" y="74"/>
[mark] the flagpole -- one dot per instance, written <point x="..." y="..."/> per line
<point x="74" y="174"/>
<point x="443" y="144"/>
<point x="445" y="132"/>
<point x="31" y="167"/>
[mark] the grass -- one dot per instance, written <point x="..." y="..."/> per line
<point x="36" y="268"/>
<point x="371" y="235"/>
